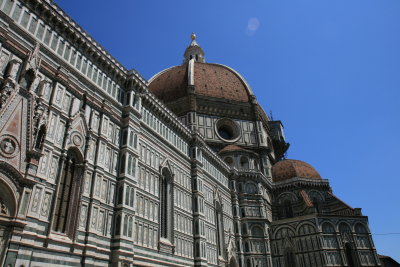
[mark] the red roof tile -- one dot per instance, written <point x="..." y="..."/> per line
<point x="290" y="168"/>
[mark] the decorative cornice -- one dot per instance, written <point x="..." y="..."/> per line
<point x="299" y="182"/>
<point x="78" y="36"/>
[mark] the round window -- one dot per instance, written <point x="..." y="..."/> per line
<point x="227" y="130"/>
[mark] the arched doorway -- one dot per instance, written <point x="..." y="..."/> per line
<point x="8" y="209"/>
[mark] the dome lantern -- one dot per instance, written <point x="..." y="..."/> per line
<point x="194" y="51"/>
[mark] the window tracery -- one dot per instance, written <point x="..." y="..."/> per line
<point x="68" y="194"/>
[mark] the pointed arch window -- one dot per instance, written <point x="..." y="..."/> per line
<point x="166" y="193"/>
<point x="287" y="207"/>
<point x="316" y="204"/>
<point x="40" y="137"/>
<point x="65" y="214"/>
<point x="130" y="226"/>
<point x="131" y="137"/>
<point x="220" y="228"/>
<point x="127" y="195"/>
<point x="125" y="225"/>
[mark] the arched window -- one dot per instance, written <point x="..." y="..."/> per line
<point x="134" y="167"/>
<point x="256" y="166"/>
<point x="68" y="193"/>
<point x="166" y="207"/>
<point x="7" y="201"/>
<point x="316" y="204"/>
<point x="131" y="138"/>
<point x="130" y="225"/>
<point x="244" y="162"/>
<point x="125" y="225"/>
<point x="127" y="195"/>
<point x="287" y="207"/>
<point x="40" y="137"/>
<point x="130" y="164"/>
<point x="220" y="228"/>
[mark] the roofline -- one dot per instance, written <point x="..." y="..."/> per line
<point x="161" y="72"/>
<point x="247" y="86"/>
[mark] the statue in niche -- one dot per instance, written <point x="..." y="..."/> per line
<point x="13" y="69"/>
<point x="29" y="78"/>
<point x="8" y="85"/>
<point x="40" y="117"/>
<point x="3" y="208"/>
<point x="6" y="92"/>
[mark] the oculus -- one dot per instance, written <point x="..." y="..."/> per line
<point x="8" y="146"/>
<point x="227" y="130"/>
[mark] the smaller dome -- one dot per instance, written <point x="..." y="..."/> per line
<point x="290" y="168"/>
<point x="233" y="148"/>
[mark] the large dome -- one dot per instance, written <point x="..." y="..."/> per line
<point x="210" y="80"/>
<point x="206" y="79"/>
<point x="290" y="168"/>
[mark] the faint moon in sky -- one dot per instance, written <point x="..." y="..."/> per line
<point x="252" y="25"/>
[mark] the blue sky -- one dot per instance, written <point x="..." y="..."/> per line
<point x="330" y="70"/>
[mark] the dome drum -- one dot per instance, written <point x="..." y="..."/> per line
<point x="227" y="130"/>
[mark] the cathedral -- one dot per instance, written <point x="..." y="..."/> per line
<point x="100" y="167"/>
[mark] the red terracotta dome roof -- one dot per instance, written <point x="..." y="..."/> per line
<point x="170" y="84"/>
<point x="211" y="80"/>
<point x="290" y="168"/>
<point x="232" y="148"/>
